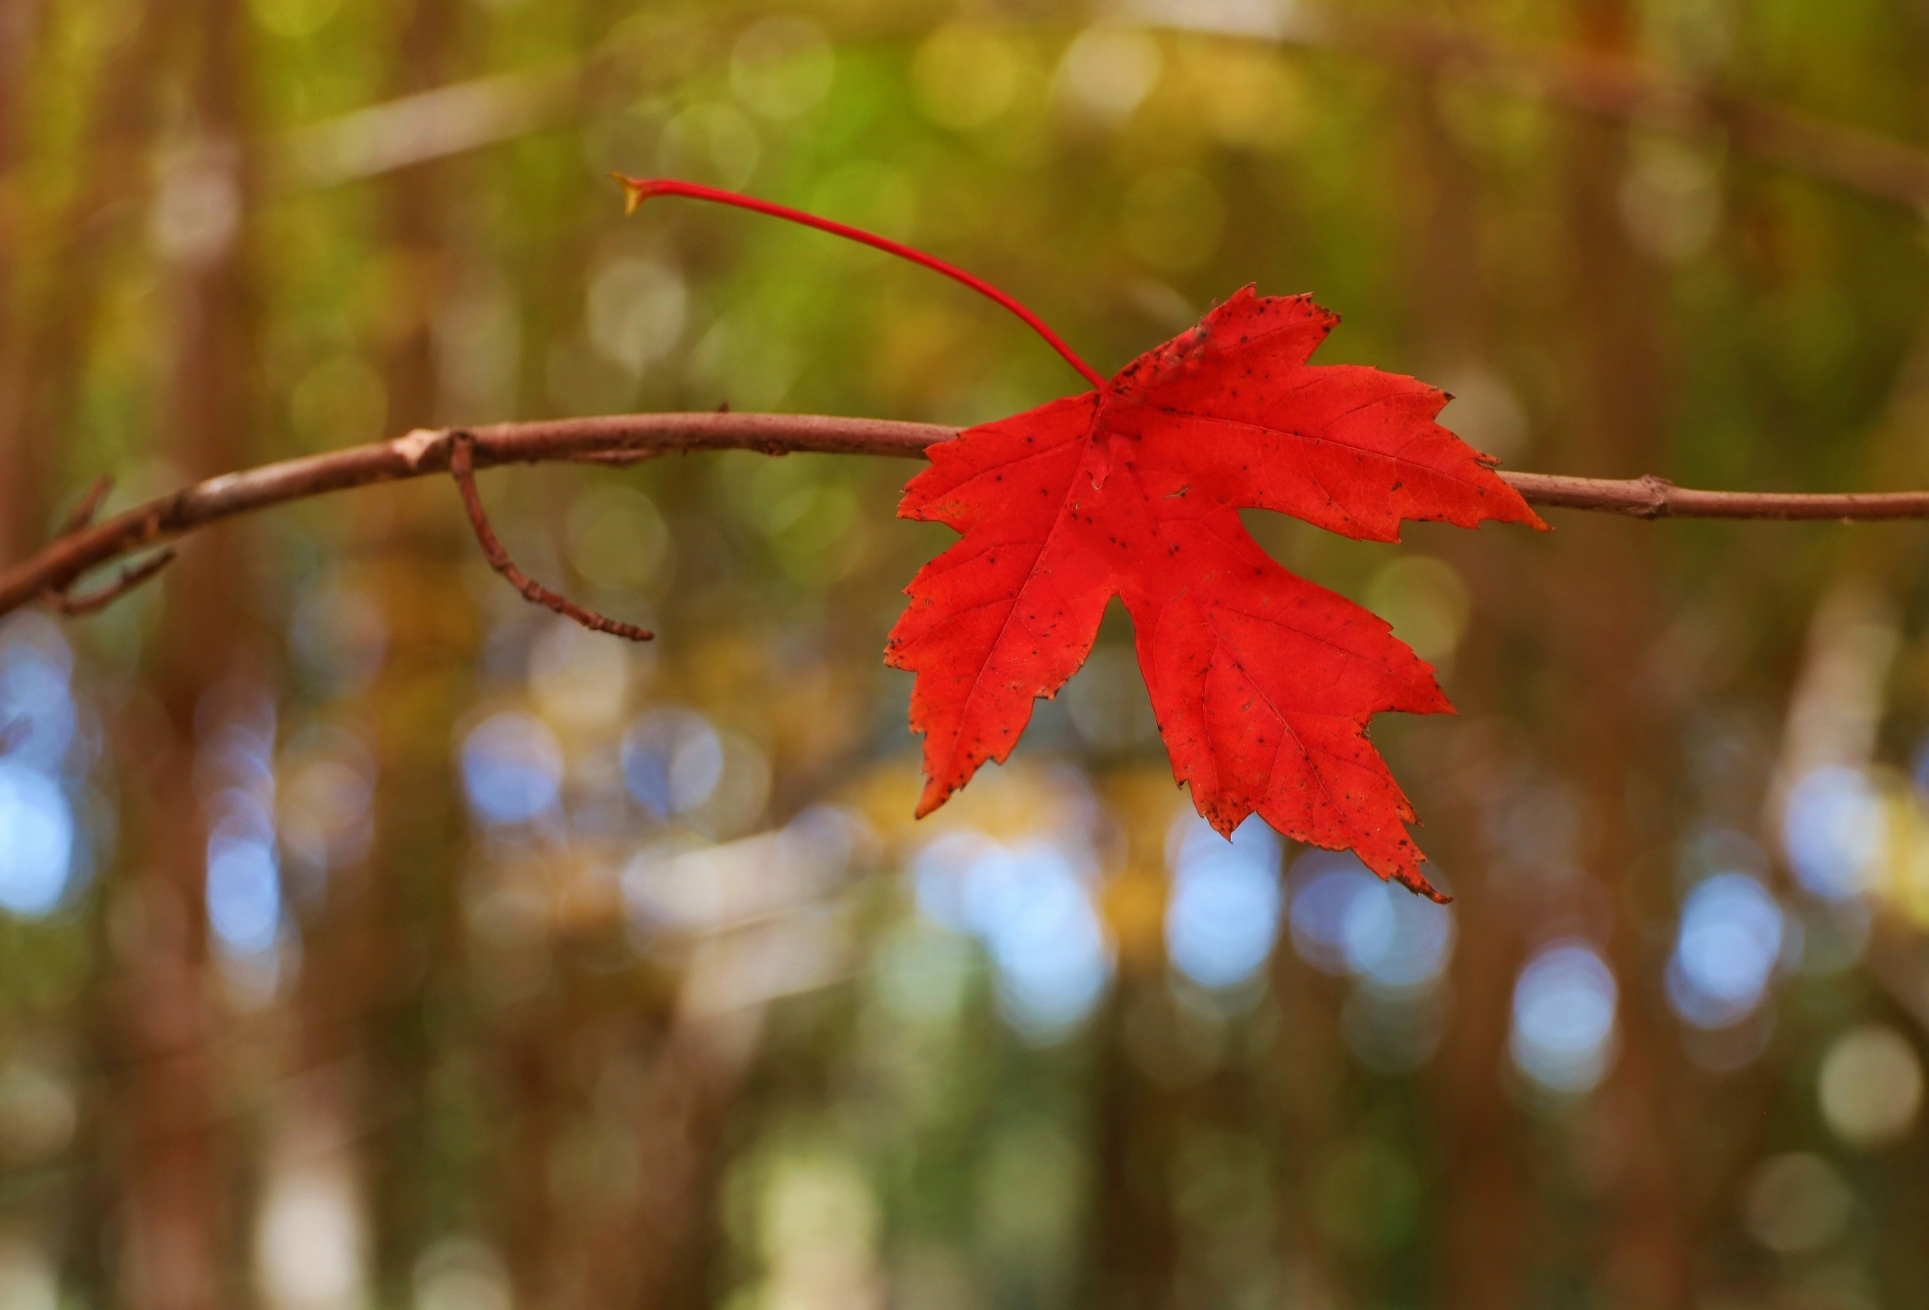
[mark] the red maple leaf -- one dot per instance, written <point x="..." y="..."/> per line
<point x="1262" y="683"/>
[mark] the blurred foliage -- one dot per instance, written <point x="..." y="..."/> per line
<point x="366" y="938"/>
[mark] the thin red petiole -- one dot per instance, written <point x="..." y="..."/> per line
<point x="637" y="190"/>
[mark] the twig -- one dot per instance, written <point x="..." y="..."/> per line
<point x="427" y="452"/>
<point x="83" y="511"/>
<point x="461" y="466"/>
<point x="93" y="602"/>
<point x="132" y="576"/>
<point x="1657" y="498"/>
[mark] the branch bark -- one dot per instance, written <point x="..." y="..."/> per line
<point x="631" y="438"/>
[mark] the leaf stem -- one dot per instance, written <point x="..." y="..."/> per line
<point x="637" y="190"/>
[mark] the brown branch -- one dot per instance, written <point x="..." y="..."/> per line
<point x="84" y="509"/>
<point x="625" y="437"/>
<point x="132" y="575"/>
<point x="93" y="602"/>
<point x="461" y="466"/>
<point x="1657" y="498"/>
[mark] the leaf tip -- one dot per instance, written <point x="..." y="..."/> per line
<point x="1528" y="518"/>
<point x="935" y="794"/>
<point x="1416" y="882"/>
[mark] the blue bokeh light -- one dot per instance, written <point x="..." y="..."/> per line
<point x="1037" y="920"/>
<point x="1349" y="922"/>
<point x="1563" y="1023"/>
<point x="1725" y="952"/>
<point x="244" y="888"/>
<point x="36" y="840"/>
<point x="672" y="760"/>
<point x="238" y="756"/>
<point x="1412" y="950"/>
<point x="235" y="777"/>
<point x="512" y="768"/>
<point x="1833" y="829"/>
<point x="1031" y="906"/>
<point x="1223" y="915"/>
<point x="1336" y="909"/>
<point x="37" y="714"/>
<point x="938" y="876"/>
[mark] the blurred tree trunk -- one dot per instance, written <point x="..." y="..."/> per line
<point x="415" y="1006"/>
<point x="1484" y="1202"/>
<point x="1842" y="696"/>
<point x="1306" y="1086"/>
<point x="419" y="210"/>
<point x="1135" y="1248"/>
<point x="411" y="914"/>
<point x="1605" y="630"/>
<point x="43" y="348"/>
<point x="19" y="23"/>
<point x="1882" y="570"/>
<point x="177" y="1230"/>
<point x="694" y="1082"/>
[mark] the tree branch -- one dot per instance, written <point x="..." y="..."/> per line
<point x="93" y="602"/>
<point x="1651" y="497"/>
<point x="132" y="575"/>
<point x="462" y="467"/>
<point x="626" y="438"/>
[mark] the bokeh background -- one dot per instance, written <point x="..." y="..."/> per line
<point x="370" y="939"/>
